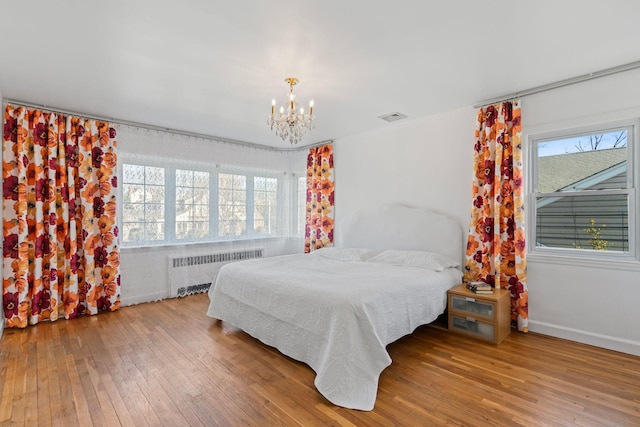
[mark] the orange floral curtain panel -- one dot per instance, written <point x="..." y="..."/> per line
<point x="320" y="187"/>
<point x="496" y="242"/>
<point x="59" y="181"/>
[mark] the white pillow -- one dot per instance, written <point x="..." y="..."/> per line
<point x="421" y="259"/>
<point x="345" y="254"/>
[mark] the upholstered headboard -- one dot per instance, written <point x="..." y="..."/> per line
<point x="395" y="226"/>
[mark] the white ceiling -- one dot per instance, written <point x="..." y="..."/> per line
<point x="212" y="67"/>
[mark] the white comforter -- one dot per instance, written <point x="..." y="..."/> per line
<point x="336" y="316"/>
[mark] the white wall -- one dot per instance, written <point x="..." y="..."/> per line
<point x="420" y="162"/>
<point x="428" y="162"/>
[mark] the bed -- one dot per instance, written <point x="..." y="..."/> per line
<point x="337" y="309"/>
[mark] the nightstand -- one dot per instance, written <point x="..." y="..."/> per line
<point x="483" y="316"/>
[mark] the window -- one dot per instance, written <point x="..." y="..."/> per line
<point x="143" y="203"/>
<point x="172" y="201"/>
<point x="192" y="204"/>
<point x="583" y="192"/>
<point x="232" y="205"/>
<point x="265" y="205"/>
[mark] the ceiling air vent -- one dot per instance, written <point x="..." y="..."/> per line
<point x="392" y="117"/>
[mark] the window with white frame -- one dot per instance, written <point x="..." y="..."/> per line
<point x="265" y="205"/>
<point x="583" y="192"/>
<point x="143" y="203"/>
<point x="192" y="204"/>
<point x="232" y="205"/>
<point x="169" y="201"/>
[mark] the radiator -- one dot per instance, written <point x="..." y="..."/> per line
<point x="195" y="273"/>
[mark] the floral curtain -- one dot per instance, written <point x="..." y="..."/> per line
<point x="320" y="187"/>
<point x="496" y="242"/>
<point x="61" y="255"/>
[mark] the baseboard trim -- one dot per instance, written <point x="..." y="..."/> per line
<point x="598" y="340"/>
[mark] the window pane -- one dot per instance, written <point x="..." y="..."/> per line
<point x="185" y="215"/>
<point x="201" y="179"/>
<point x="239" y="213"/>
<point x="228" y="181"/>
<point x="201" y="229"/>
<point x="133" y="174"/>
<point x="589" y="162"/>
<point x="184" y="195"/>
<point x="133" y="212"/>
<point x="154" y="175"/>
<point x="154" y="231"/>
<point x="201" y="196"/>
<point x="154" y="194"/>
<point x="596" y="222"/>
<point x="154" y="212"/>
<point x="132" y="193"/>
<point x="201" y="213"/>
<point x="239" y="182"/>
<point x="133" y="232"/>
<point x="184" y="178"/>
<point x="224" y="228"/>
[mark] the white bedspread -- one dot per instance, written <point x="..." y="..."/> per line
<point x="336" y="316"/>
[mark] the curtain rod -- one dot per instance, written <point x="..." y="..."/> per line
<point x="161" y="128"/>
<point x="543" y="88"/>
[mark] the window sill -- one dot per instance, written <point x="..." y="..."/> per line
<point x="628" y="264"/>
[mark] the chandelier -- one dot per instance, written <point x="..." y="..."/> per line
<point x="291" y="123"/>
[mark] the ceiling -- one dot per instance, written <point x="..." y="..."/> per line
<point x="212" y="67"/>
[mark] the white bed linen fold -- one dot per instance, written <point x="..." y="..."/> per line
<point x="335" y="316"/>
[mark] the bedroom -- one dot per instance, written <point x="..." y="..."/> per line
<point x="432" y="146"/>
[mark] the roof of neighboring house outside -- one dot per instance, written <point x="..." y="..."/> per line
<point x="562" y="170"/>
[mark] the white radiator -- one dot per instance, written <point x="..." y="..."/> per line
<point x="195" y="273"/>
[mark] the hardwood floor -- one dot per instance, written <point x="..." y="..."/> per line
<point x="167" y="363"/>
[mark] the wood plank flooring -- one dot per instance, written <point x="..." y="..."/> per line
<point x="168" y="364"/>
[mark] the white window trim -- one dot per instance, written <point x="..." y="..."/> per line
<point x="585" y="257"/>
